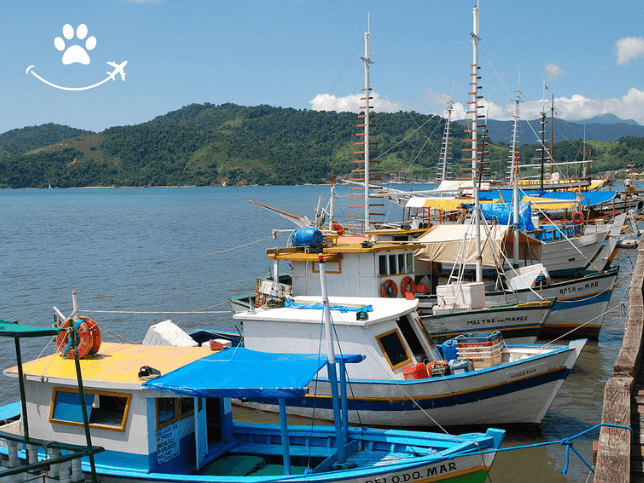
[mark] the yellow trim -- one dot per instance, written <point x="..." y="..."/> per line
<point x="328" y="263"/>
<point x="402" y="343"/>
<point x="126" y="411"/>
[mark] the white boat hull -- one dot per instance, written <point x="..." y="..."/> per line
<point x="510" y="393"/>
<point x="580" y="307"/>
<point x="517" y="325"/>
<point x="572" y="256"/>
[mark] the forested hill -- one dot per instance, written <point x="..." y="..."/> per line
<point x="19" y="141"/>
<point x="206" y="144"/>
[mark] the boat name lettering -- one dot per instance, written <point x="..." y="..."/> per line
<point x="527" y="372"/>
<point x="417" y="475"/>
<point x="497" y="321"/>
<point x="578" y="288"/>
<point x="167" y="446"/>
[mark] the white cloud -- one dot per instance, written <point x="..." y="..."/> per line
<point x="577" y="107"/>
<point x="554" y="72"/>
<point x="629" y="48"/>
<point x="329" y="102"/>
<point x="574" y="108"/>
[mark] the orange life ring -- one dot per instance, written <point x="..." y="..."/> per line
<point x="89" y="338"/>
<point x="96" y="334"/>
<point x="388" y="288"/>
<point x="338" y="228"/>
<point x="577" y="217"/>
<point x="407" y="282"/>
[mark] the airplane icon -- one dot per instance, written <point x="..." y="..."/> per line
<point x="118" y="69"/>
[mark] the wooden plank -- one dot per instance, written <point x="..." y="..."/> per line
<point x="627" y="362"/>
<point x="614" y="447"/>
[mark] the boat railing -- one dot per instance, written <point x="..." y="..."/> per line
<point x="47" y="459"/>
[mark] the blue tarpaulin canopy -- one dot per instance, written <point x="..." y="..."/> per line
<point x="239" y="372"/>
<point x="502" y="212"/>
<point x="585" y="198"/>
<point x="339" y="308"/>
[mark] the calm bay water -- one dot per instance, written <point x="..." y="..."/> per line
<point x="188" y="249"/>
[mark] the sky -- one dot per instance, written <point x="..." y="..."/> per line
<point x="305" y="54"/>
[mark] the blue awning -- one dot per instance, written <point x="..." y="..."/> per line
<point x="239" y="372"/>
<point x="502" y="213"/>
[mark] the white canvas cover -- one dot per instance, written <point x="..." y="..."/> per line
<point x="457" y="244"/>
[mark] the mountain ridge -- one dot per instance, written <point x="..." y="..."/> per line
<point x="229" y="144"/>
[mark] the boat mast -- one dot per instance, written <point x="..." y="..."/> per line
<point x="446" y="148"/>
<point x="542" y="148"/>
<point x="331" y="368"/>
<point x="367" y="90"/>
<point x="514" y="167"/>
<point x="552" y="136"/>
<point x="366" y="142"/>
<point x="474" y="103"/>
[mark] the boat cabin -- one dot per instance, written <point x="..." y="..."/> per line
<point x="388" y="330"/>
<point x="166" y="409"/>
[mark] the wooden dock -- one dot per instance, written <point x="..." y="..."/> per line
<point x="620" y="456"/>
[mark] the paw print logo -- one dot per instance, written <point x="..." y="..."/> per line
<point x="75" y="53"/>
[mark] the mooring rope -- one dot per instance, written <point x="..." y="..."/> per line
<point x="567" y="442"/>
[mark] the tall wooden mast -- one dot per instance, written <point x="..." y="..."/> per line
<point x="365" y="174"/>
<point x="473" y="129"/>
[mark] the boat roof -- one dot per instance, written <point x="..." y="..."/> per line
<point x="240" y="372"/>
<point x="115" y="365"/>
<point x="189" y="371"/>
<point x="308" y="309"/>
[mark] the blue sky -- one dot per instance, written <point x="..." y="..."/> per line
<point x="306" y="54"/>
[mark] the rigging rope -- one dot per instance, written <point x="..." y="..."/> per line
<point x="215" y="253"/>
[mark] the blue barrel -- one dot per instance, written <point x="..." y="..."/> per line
<point x="306" y="237"/>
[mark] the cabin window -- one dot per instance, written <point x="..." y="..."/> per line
<point x="382" y="265"/>
<point x="105" y="410"/>
<point x="330" y="267"/>
<point x="392" y="265"/>
<point x="394" y="349"/>
<point x="170" y="410"/>
<point x="410" y="336"/>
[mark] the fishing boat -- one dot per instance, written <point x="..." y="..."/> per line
<point x="163" y="413"/>
<point x="367" y="269"/>
<point x="407" y="379"/>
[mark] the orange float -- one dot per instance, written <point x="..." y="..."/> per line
<point x="408" y="286"/>
<point x="89" y="338"/>
<point x="388" y="288"/>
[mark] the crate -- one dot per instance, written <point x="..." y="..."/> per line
<point x="478" y="339"/>
<point x="481" y="357"/>
<point x="472" y="294"/>
<point x="415" y="371"/>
